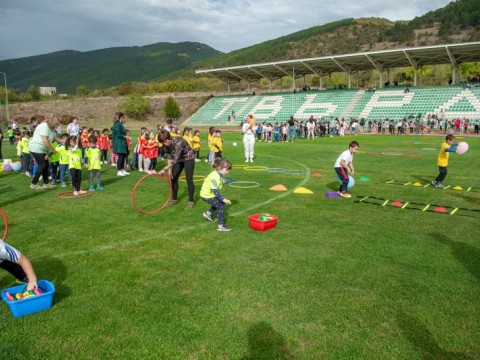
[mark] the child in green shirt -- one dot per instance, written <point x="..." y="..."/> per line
<point x="75" y="164"/>
<point x="53" y="164"/>
<point x="25" y="156"/>
<point x="62" y="152"/>
<point x="11" y="137"/>
<point x="93" y="163"/>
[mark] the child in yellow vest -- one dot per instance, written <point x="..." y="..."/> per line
<point x="62" y="151"/>
<point x="93" y="155"/>
<point x="196" y="144"/>
<point x="75" y="164"/>
<point x="442" y="161"/>
<point x="24" y="153"/>
<point x="210" y="136"/>
<point x="210" y="192"/>
<point x="187" y="135"/>
<point x="217" y="145"/>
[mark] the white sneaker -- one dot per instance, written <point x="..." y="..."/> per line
<point x="208" y="216"/>
<point x="125" y="173"/>
<point x="197" y="160"/>
<point x="223" y="228"/>
<point x="121" y="173"/>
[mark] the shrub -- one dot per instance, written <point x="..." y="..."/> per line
<point x="65" y="119"/>
<point x="82" y="90"/>
<point x="135" y="106"/>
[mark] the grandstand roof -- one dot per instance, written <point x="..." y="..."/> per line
<point x="454" y="54"/>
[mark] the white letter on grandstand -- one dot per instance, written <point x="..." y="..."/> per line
<point x="309" y="108"/>
<point x="465" y="94"/>
<point x="268" y="107"/>
<point x="229" y="103"/>
<point x="376" y="103"/>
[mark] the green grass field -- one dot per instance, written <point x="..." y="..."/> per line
<point x="335" y="279"/>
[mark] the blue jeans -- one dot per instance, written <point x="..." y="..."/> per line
<point x="27" y="163"/>
<point x="53" y="171"/>
<point x="343" y="176"/>
<point x="211" y="157"/>
<point x="63" y="170"/>
<point x="291" y="133"/>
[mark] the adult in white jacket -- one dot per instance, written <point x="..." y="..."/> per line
<point x="248" y="140"/>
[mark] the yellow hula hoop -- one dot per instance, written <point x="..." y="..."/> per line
<point x="255" y="168"/>
<point x="196" y="178"/>
<point x="240" y="166"/>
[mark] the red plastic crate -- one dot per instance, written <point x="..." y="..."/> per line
<point x="258" y="225"/>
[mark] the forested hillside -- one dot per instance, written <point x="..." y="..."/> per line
<point x="103" y="68"/>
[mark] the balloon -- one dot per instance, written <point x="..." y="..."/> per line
<point x="16" y="166"/>
<point x="462" y="148"/>
<point x="351" y="182"/>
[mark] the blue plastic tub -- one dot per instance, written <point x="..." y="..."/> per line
<point x="30" y="304"/>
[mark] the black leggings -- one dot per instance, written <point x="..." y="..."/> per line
<point x="121" y="161"/>
<point x="104" y="156"/>
<point x="42" y="169"/>
<point x="14" y="269"/>
<point x="76" y="179"/>
<point x="189" y="166"/>
<point x="442" y="174"/>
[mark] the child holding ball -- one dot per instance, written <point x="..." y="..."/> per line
<point x="344" y="165"/>
<point x="442" y="160"/>
<point x="18" y="265"/>
<point x="210" y="192"/>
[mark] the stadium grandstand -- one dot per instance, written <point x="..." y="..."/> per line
<point x="385" y="102"/>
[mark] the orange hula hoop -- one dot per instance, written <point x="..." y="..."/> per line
<point x="69" y="195"/>
<point x="166" y="178"/>
<point x="5" y="232"/>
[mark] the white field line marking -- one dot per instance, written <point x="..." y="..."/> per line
<point x="167" y="234"/>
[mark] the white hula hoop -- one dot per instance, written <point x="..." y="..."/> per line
<point x="244" y="184"/>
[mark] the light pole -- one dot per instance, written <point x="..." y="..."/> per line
<point x="7" y="114"/>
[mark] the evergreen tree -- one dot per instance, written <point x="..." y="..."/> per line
<point x="171" y="109"/>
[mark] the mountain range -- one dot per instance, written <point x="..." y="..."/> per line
<point x="459" y="21"/>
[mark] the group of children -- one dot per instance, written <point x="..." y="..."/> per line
<point x="88" y="150"/>
<point x="72" y="154"/>
<point x="103" y="142"/>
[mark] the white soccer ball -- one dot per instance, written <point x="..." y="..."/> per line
<point x="234" y="144"/>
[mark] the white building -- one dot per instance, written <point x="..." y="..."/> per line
<point x="47" y="90"/>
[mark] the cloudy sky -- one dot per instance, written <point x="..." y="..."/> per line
<point x="34" y="27"/>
